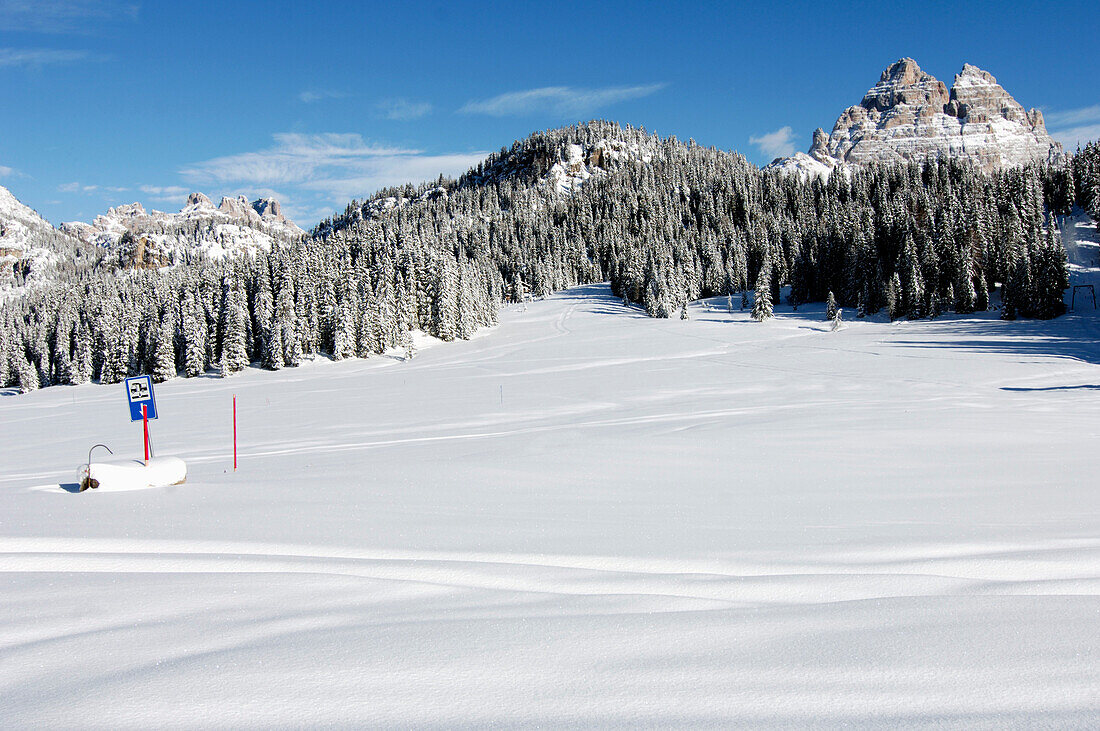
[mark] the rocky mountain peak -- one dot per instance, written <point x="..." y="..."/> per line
<point x="238" y="207"/>
<point x="268" y="208"/>
<point x="198" y="200"/>
<point x="903" y="82"/>
<point x="911" y="115"/>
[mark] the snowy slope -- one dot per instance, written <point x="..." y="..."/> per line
<point x="23" y="235"/>
<point x="584" y="517"/>
<point x="32" y="252"/>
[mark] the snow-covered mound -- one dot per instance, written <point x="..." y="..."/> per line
<point x="132" y="474"/>
<point x="155" y="238"/>
<point x="911" y="115"/>
<point x="584" y="518"/>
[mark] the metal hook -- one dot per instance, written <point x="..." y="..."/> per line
<point x="93" y="449"/>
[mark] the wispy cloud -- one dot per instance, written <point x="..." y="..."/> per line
<point x="402" y="109"/>
<point x="165" y="193"/>
<point x="293" y="159"/>
<point x="75" y="187"/>
<point x="1072" y="127"/>
<point x="386" y="171"/>
<point x="5" y="171"/>
<point x="779" y="143"/>
<point x="309" y="96"/>
<point x="325" y="171"/>
<point x="64" y="16"/>
<point x="557" y="100"/>
<point x="43" y="56"/>
<point x="163" y="190"/>
<point x="1069" y="117"/>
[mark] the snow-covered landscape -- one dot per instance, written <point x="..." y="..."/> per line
<point x="582" y="517"/>
<point x="433" y="366"/>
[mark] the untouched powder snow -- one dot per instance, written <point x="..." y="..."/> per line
<point x="585" y="517"/>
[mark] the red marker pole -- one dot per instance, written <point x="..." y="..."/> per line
<point x="234" y="432"/>
<point x="145" y="427"/>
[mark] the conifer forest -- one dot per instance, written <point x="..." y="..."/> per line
<point x="665" y="222"/>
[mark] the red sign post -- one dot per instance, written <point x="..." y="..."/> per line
<point x="145" y="428"/>
<point x="234" y="432"/>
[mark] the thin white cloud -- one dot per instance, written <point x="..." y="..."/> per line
<point x="779" y="143"/>
<point x="64" y="16"/>
<point x="5" y="171"/>
<point x="174" y="194"/>
<point x="388" y="171"/>
<point x="557" y="100"/>
<point x="403" y="110"/>
<point x="75" y="187"/>
<point x="321" y="173"/>
<point x="1072" y="117"/>
<point x="310" y="96"/>
<point x="164" y="190"/>
<point x="293" y="159"/>
<point x="42" y="56"/>
<point x="1074" y="127"/>
<point x="1074" y="136"/>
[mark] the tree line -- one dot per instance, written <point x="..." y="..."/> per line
<point x="664" y="221"/>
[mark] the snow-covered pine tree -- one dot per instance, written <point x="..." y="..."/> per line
<point x="1051" y="280"/>
<point x="762" y="299"/>
<point x="165" y="359"/>
<point x="194" y="340"/>
<point x="344" y="345"/>
<point x="981" y="293"/>
<point x="234" y="349"/>
<point x="26" y="375"/>
<point x="830" y="306"/>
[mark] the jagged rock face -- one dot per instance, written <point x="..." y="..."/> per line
<point x="268" y="208"/>
<point x="910" y="115"/>
<point x="195" y="200"/>
<point x="156" y="238"/>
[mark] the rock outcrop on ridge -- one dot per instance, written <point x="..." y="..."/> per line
<point x="155" y="239"/>
<point x="911" y="115"/>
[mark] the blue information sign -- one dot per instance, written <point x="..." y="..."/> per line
<point x="139" y="391"/>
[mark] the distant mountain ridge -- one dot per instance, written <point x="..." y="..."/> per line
<point x="154" y="238"/>
<point x="910" y="115"/>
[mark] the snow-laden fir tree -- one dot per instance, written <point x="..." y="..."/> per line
<point x="762" y="298"/>
<point x="165" y="355"/>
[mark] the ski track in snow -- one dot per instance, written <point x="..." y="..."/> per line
<point x="582" y="518"/>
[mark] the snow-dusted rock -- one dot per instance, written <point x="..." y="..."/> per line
<point x="578" y="164"/>
<point x="911" y="115"/>
<point x="27" y="240"/>
<point x="155" y="238"/>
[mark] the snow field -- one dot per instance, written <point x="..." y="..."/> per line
<point x="585" y="517"/>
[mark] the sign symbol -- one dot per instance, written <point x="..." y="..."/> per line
<point x="139" y="391"/>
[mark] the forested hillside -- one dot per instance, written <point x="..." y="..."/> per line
<point x="666" y="222"/>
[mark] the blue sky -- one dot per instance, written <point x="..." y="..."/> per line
<point x="118" y="101"/>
